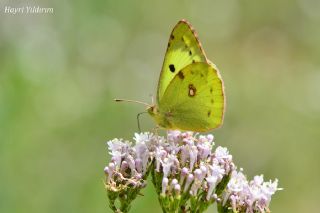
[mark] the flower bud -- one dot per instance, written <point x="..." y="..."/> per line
<point x="165" y="182"/>
<point x="177" y="189"/>
<point x="193" y="156"/>
<point x="188" y="182"/>
<point x="106" y="170"/>
<point x="210" y="138"/>
<point x="197" y="181"/>
<point x="184" y="173"/>
<point x="203" y="170"/>
<point x="138" y="165"/>
<point x="174" y="182"/>
<point x="212" y="181"/>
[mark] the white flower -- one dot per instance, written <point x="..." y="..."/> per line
<point x="212" y="182"/>
<point x="215" y="175"/>
<point x="118" y="149"/>
<point x="210" y="138"/>
<point x="118" y="145"/>
<point x="204" y="148"/>
<point x="168" y="163"/>
<point x="185" y="149"/>
<point x="237" y="182"/>
<point x="174" y="136"/>
<point x="142" y="153"/>
<point x="160" y="154"/>
<point x="257" y="180"/>
<point x="117" y="157"/>
<point x="149" y="139"/>
<point x="216" y="170"/>
<point x="143" y="137"/>
<point x="193" y="153"/>
<point x="269" y="188"/>
<point x="222" y="154"/>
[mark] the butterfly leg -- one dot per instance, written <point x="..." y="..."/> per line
<point x="138" y="120"/>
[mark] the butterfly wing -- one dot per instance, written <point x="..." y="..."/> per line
<point x="194" y="99"/>
<point x="183" y="49"/>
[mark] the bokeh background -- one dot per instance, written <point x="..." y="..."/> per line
<point x="60" y="72"/>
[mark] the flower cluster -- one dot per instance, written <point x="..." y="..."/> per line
<point x="127" y="172"/>
<point x="187" y="173"/>
<point x="245" y="196"/>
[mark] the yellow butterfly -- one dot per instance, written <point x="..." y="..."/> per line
<point x="190" y="93"/>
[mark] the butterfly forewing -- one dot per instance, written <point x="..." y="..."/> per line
<point x="183" y="49"/>
<point x="194" y="99"/>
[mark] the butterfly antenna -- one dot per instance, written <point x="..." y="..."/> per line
<point x="138" y="116"/>
<point x="133" y="101"/>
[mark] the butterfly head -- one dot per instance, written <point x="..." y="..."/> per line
<point x="160" y="117"/>
<point x="153" y="110"/>
<point x="155" y="114"/>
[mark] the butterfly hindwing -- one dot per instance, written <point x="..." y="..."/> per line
<point x="194" y="99"/>
<point x="183" y="49"/>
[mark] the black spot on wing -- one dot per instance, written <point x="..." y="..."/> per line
<point x="172" y="68"/>
<point x="209" y="113"/>
<point x="190" y="53"/>
<point x="191" y="90"/>
<point x="181" y="75"/>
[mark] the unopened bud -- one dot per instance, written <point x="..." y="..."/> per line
<point x="188" y="182"/>
<point x="165" y="182"/>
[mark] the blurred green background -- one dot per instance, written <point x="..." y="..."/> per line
<point x="60" y="72"/>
